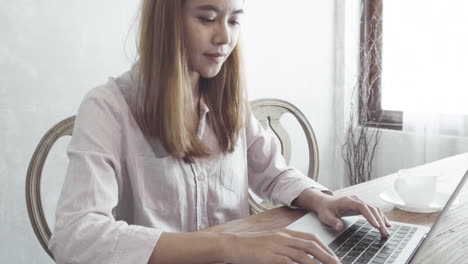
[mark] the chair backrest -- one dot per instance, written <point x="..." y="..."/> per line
<point x="33" y="180"/>
<point x="269" y="112"/>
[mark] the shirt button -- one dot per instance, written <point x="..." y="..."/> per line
<point x="59" y="223"/>
<point x="201" y="177"/>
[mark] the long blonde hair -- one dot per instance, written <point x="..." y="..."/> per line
<point x="165" y="94"/>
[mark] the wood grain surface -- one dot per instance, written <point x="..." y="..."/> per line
<point x="450" y="244"/>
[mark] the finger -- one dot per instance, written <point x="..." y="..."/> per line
<point x="313" y="248"/>
<point x="296" y="255"/>
<point x="378" y="216"/>
<point x="312" y="237"/>
<point x="329" y="218"/>
<point x="363" y="208"/>
<point x="387" y="222"/>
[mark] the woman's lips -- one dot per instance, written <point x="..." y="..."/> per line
<point x="216" y="57"/>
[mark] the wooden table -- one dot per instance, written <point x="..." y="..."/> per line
<point x="449" y="246"/>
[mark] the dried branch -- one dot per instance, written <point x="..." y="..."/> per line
<point x="360" y="145"/>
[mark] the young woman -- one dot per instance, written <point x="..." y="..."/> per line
<point x="170" y="148"/>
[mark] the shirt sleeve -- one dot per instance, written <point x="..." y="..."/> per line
<point x="269" y="176"/>
<point x="85" y="229"/>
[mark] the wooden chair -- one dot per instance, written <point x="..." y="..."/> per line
<point x="267" y="111"/>
<point x="33" y="180"/>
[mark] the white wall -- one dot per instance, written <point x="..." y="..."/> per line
<point x="289" y="50"/>
<point x="52" y="52"/>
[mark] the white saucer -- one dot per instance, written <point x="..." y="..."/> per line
<point x="438" y="204"/>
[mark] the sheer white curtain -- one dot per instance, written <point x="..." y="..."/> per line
<point x="436" y="135"/>
<point x="425" y="69"/>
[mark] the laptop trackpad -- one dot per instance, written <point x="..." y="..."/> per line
<point x="310" y="223"/>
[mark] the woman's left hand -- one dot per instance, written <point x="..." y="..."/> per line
<point x="331" y="209"/>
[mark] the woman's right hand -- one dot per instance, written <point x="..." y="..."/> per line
<point x="279" y="246"/>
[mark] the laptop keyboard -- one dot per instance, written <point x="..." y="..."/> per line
<point x="362" y="243"/>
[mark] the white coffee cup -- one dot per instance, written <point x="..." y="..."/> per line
<point x="416" y="189"/>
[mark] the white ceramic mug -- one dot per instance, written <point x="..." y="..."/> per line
<point x="416" y="189"/>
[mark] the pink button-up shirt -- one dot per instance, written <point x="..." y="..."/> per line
<point x="123" y="190"/>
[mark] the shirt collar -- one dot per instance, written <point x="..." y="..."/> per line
<point x="203" y="112"/>
<point x="203" y="108"/>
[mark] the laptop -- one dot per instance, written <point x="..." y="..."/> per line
<point x="359" y="242"/>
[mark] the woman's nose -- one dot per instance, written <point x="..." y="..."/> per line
<point x="222" y="34"/>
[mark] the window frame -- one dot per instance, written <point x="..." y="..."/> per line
<point x="371" y="51"/>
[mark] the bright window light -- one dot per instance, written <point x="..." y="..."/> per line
<point x="425" y="56"/>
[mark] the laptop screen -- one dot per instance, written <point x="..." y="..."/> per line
<point x="442" y="216"/>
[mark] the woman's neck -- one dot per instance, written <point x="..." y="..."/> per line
<point x="194" y="81"/>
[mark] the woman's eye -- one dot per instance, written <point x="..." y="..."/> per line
<point x="234" y="22"/>
<point x="206" y="20"/>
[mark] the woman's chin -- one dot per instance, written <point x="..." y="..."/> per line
<point x="210" y="73"/>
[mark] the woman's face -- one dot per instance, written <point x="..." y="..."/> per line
<point x="211" y="31"/>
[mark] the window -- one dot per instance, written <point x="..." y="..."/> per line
<point x="414" y="58"/>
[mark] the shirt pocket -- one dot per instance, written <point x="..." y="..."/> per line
<point x="159" y="182"/>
